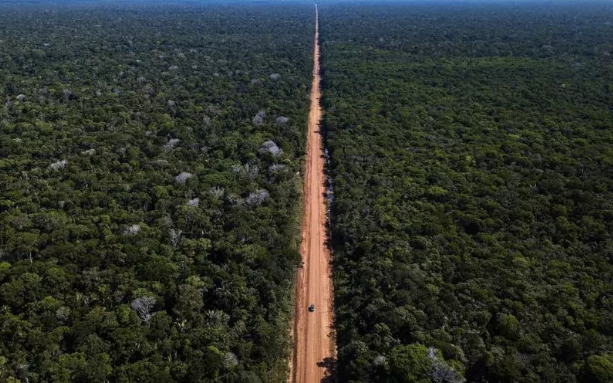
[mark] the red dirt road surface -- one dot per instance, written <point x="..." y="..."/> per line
<point x="313" y="333"/>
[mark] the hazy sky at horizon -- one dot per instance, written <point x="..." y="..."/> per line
<point x="140" y="3"/>
<point x="299" y="1"/>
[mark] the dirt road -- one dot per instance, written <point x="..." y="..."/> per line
<point x="314" y="345"/>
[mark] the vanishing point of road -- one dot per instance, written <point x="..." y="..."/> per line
<point x="314" y="348"/>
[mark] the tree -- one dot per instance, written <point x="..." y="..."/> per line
<point x="409" y="363"/>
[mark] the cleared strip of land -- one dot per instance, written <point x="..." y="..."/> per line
<point x="314" y="343"/>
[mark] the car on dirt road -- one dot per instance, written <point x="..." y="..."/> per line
<point x="312" y="308"/>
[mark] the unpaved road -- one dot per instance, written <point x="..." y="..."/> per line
<point x="314" y="343"/>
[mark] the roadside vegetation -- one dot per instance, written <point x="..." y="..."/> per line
<point x="471" y="158"/>
<point x="149" y="186"/>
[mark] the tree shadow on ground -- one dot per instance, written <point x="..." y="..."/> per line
<point x="330" y="365"/>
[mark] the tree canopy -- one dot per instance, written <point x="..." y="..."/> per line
<point x="471" y="165"/>
<point x="149" y="191"/>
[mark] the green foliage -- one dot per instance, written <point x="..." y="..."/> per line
<point x="599" y="368"/>
<point x="130" y="248"/>
<point x="508" y="326"/>
<point x="409" y="363"/>
<point x="470" y="160"/>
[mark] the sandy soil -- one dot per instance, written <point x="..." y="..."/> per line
<point x="314" y="342"/>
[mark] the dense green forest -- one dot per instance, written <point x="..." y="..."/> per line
<point x="471" y="160"/>
<point x="149" y="191"/>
